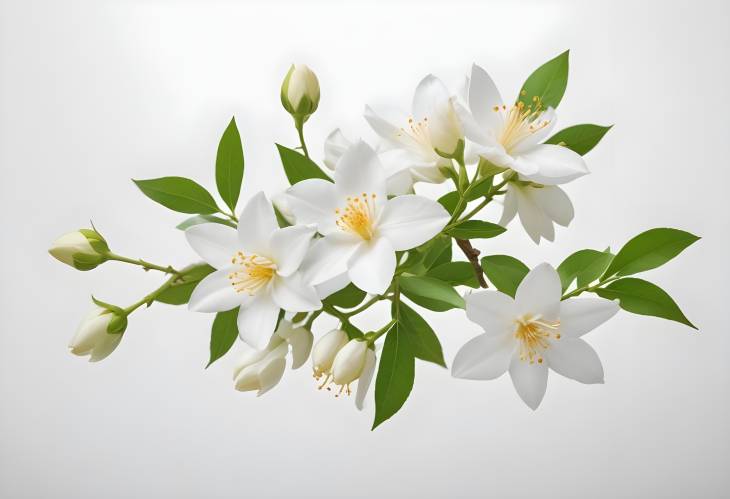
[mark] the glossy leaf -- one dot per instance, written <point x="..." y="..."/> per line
<point x="421" y="337"/>
<point x="396" y="372"/>
<point x="580" y="138"/>
<point x="449" y="201"/>
<point x="348" y="297"/>
<point x="505" y="272"/>
<point x="430" y="293"/>
<point x="547" y="83"/>
<point x="476" y="229"/>
<point x="298" y="167"/>
<point x="179" y="293"/>
<point x="585" y="265"/>
<point x="229" y="165"/>
<point x="179" y="194"/>
<point x="223" y="334"/>
<point x="455" y="273"/>
<point x="649" y="250"/>
<point x="437" y="252"/>
<point x="204" y="219"/>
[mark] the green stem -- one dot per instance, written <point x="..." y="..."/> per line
<point x="150" y="298"/>
<point x="487" y="199"/>
<point x="299" y="124"/>
<point x="146" y="265"/>
<point x="312" y="318"/>
<point x="589" y="289"/>
<point x="373" y="337"/>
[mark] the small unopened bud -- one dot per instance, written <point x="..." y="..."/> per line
<point x="349" y="362"/>
<point x="325" y="350"/>
<point x="300" y="92"/>
<point x="83" y="249"/>
<point x="98" y="334"/>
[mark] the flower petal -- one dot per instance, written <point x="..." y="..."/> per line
<point x="409" y="221"/>
<point x="555" y="203"/>
<point x="366" y="377"/>
<point x="289" y="246"/>
<point x="509" y="203"/>
<point x="539" y="293"/>
<point x="257" y="320"/>
<point x="483" y="97"/>
<point x="530" y="380"/>
<point x="335" y="146"/>
<point x="257" y="224"/>
<point x="557" y="164"/>
<point x="215" y="293"/>
<point x="546" y="123"/>
<point x="575" y="359"/>
<point x="215" y="243"/>
<point x="327" y="257"/>
<point x="581" y="315"/>
<point x="382" y="126"/>
<point x="360" y="171"/>
<point x="494" y="311"/>
<point x="484" y="357"/>
<point x="314" y="201"/>
<point x="372" y="266"/>
<point x="333" y="285"/>
<point x="270" y="375"/>
<point x="293" y="294"/>
<point x="535" y="222"/>
<point x="432" y="105"/>
<point x="104" y="346"/>
<point x="300" y="339"/>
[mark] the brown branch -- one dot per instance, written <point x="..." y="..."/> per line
<point x="473" y="255"/>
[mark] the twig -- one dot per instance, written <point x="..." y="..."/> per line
<point x="473" y="255"/>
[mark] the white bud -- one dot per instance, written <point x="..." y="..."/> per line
<point x="83" y="249"/>
<point x="349" y="362"/>
<point x="300" y="91"/>
<point x="300" y="339"/>
<point x="325" y="350"/>
<point x="265" y="373"/>
<point x="282" y="203"/>
<point x="92" y="337"/>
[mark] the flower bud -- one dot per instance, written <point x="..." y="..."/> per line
<point x="300" y="92"/>
<point x="325" y="350"/>
<point x="265" y="372"/>
<point x="98" y="334"/>
<point x="349" y="362"/>
<point x="83" y="249"/>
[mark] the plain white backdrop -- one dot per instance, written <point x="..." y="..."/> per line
<point x="95" y="93"/>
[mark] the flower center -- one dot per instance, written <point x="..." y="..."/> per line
<point x="519" y="122"/>
<point x="534" y="336"/>
<point x="418" y="132"/>
<point x="254" y="272"/>
<point x="358" y="216"/>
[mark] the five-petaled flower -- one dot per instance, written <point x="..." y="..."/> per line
<point x="531" y="333"/>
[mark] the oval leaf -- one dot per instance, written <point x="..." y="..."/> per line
<point x="579" y="138"/>
<point x="348" y="297"/>
<point x="476" y="229"/>
<point x="179" y="293"/>
<point x="585" y="265"/>
<point x="229" y="165"/>
<point x="505" y="272"/>
<point x="547" y="83"/>
<point x="430" y="293"/>
<point x="179" y="194"/>
<point x="298" y="167"/>
<point x="395" y="375"/>
<point x="649" y="250"/>
<point x="455" y="273"/>
<point x="204" y="219"/>
<point x="421" y="337"/>
<point x="223" y="334"/>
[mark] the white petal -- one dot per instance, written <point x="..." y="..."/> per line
<point x="547" y="121"/>
<point x="257" y="223"/>
<point x="289" y="246"/>
<point x="105" y="346"/>
<point x="250" y="357"/>
<point x="509" y="202"/>
<point x="484" y="357"/>
<point x="539" y="293"/>
<point x="409" y="221"/>
<point x="581" y="315"/>
<point x="400" y="183"/>
<point x="257" y="320"/>
<point x="215" y="243"/>
<point x="575" y="359"/>
<point x="300" y="340"/>
<point x="215" y="293"/>
<point x="494" y="311"/>
<point x="555" y="203"/>
<point x="270" y="375"/>
<point x="383" y="127"/>
<point x="334" y="147"/>
<point x="372" y="266"/>
<point x="333" y="285"/>
<point x="535" y="222"/>
<point x="328" y="257"/>
<point x="293" y="294"/>
<point x="432" y="102"/>
<point x="557" y="164"/>
<point x="360" y="171"/>
<point x="483" y="97"/>
<point x="530" y="380"/>
<point x="314" y="201"/>
<point x="363" y="382"/>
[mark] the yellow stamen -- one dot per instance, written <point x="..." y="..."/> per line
<point x="358" y="216"/>
<point x="535" y="336"/>
<point x="520" y="122"/>
<point x="254" y="272"/>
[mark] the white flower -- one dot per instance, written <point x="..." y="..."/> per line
<point x="354" y="362"/>
<point x="323" y="354"/>
<point x="362" y="229"/>
<point x="532" y="332"/>
<point x="300" y="91"/>
<point x="92" y="337"/>
<point x="509" y="136"/>
<point x="538" y="207"/>
<point x="433" y="124"/>
<point x="257" y="269"/>
<point x="262" y="369"/>
<point x="82" y="249"/>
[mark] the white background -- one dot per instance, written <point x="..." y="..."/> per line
<point x="95" y="93"/>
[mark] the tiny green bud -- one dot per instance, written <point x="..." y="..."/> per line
<point x="83" y="249"/>
<point x="300" y="92"/>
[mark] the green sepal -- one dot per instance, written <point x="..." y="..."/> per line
<point x="117" y="325"/>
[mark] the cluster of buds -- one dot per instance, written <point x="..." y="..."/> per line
<point x="83" y="249"/>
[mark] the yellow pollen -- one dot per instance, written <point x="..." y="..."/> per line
<point x="418" y="131"/>
<point x="535" y="336"/>
<point x="519" y="122"/>
<point x="358" y="216"/>
<point x="253" y="272"/>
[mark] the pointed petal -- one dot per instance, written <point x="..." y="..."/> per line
<point x="300" y="339"/>
<point x="432" y="104"/>
<point x="372" y="266"/>
<point x="539" y="293"/>
<point x="270" y="375"/>
<point x="214" y="243"/>
<point x="215" y="293"/>
<point x="335" y="146"/>
<point x="581" y="315"/>
<point x="575" y="359"/>
<point x="363" y="382"/>
<point x="530" y="380"/>
<point x="557" y="164"/>
<point x="314" y="201"/>
<point x="494" y="311"/>
<point x="293" y="294"/>
<point x="484" y="357"/>
<point x="256" y="225"/>
<point x="289" y="246"/>
<point x="105" y="346"/>
<point x="555" y="203"/>
<point x="546" y="123"/>
<point x="360" y="171"/>
<point x="535" y="222"/>
<point x="328" y="257"/>
<point x="257" y="320"/>
<point x="382" y="126"/>
<point x="332" y="285"/>
<point x="483" y="97"/>
<point x="409" y="221"/>
<point x="509" y="209"/>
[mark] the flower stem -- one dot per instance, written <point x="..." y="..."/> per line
<point x="146" y="265"/>
<point x="150" y="298"/>
<point x="299" y="124"/>
<point x="589" y="289"/>
<point x="373" y="337"/>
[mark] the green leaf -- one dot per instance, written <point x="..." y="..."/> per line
<point x="547" y="83"/>
<point x="229" y="165"/>
<point x="353" y="332"/>
<point x="480" y="188"/>
<point x="455" y="273"/>
<point x="421" y="337"/>
<point x="179" y="293"/>
<point x="204" y="219"/>
<point x="579" y="138"/>
<point x="585" y="265"/>
<point x="437" y="252"/>
<point x="505" y="272"/>
<point x="396" y="372"/>
<point x="649" y="250"/>
<point x="179" y="194"/>
<point x="476" y="229"/>
<point x="644" y="298"/>
<point x="298" y="167"/>
<point x="430" y="293"/>
<point x="449" y="201"/>
<point x="223" y="334"/>
<point x="348" y="297"/>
